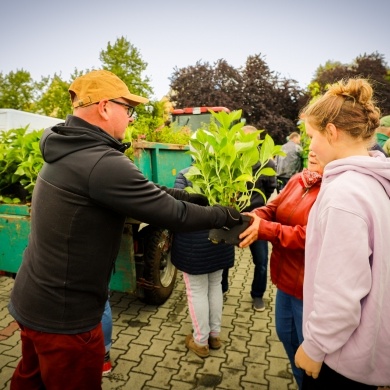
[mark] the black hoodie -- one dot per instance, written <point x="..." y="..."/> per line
<point x="84" y="192"/>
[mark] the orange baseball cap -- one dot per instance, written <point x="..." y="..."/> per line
<point x="98" y="85"/>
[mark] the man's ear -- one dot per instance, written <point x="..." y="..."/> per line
<point x="103" y="109"/>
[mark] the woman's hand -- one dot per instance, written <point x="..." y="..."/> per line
<point x="251" y="233"/>
<point x="304" y="362"/>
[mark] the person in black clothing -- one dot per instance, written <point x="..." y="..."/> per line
<point x="376" y="146"/>
<point x="291" y="163"/>
<point x="84" y="192"/>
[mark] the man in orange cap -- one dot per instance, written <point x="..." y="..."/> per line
<point x="83" y="194"/>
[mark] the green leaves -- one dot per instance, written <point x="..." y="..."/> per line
<point x="17" y="90"/>
<point x="20" y="162"/>
<point x="150" y="126"/>
<point x="224" y="155"/>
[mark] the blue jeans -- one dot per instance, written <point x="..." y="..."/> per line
<point x="259" y="250"/>
<point x="288" y="319"/>
<point x="107" y="326"/>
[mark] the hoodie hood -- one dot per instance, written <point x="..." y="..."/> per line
<point x="74" y="135"/>
<point x="375" y="165"/>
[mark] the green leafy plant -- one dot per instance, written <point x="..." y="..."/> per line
<point x="20" y="162"/>
<point x="223" y="157"/>
<point x="21" y="158"/>
<point x="305" y="143"/>
<point x="154" y="127"/>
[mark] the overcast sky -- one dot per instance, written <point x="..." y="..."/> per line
<point x="293" y="36"/>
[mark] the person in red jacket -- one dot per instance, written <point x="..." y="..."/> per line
<point x="282" y="222"/>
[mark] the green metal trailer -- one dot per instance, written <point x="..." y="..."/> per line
<point x="143" y="265"/>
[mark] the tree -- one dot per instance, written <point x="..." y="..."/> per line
<point x="267" y="102"/>
<point x="374" y="67"/>
<point x="50" y="95"/>
<point x="124" y="59"/>
<point x="206" y="85"/>
<point x="17" y="90"/>
<point x="260" y="104"/>
<point x="370" y="66"/>
<point x="54" y="101"/>
<point x="121" y="58"/>
<point x="191" y="86"/>
<point x="227" y="86"/>
<point x="258" y="83"/>
<point x="270" y="103"/>
<point x="331" y="72"/>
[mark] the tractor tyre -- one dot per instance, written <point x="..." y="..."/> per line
<point x="159" y="272"/>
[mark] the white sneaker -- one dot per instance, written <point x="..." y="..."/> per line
<point x="258" y="304"/>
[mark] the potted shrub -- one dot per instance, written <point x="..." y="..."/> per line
<point x="223" y="157"/>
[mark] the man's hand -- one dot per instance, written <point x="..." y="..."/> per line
<point x="251" y="233"/>
<point x="303" y="361"/>
<point x="233" y="216"/>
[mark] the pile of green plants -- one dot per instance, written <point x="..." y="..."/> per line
<point x="20" y="162"/>
<point x="165" y="133"/>
<point x="223" y="157"/>
<point x="153" y="126"/>
<point x="143" y="130"/>
<point x="21" y="158"/>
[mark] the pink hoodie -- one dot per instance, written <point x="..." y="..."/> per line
<point x="346" y="294"/>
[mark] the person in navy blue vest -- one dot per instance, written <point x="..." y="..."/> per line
<point x="202" y="263"/>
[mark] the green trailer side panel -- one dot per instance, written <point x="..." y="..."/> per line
<point x="124" y="276"/>
<point x="161" y="163"/>
<point x="14" y="231"/>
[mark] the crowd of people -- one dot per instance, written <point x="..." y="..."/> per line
<point x="327" y="225"/>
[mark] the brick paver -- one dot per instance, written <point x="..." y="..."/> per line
<point x="148" y="350"/>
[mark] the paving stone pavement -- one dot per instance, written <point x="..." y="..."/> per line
<point x="148" y="350"/>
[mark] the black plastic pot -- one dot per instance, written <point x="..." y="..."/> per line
<point x="229" y="236"/>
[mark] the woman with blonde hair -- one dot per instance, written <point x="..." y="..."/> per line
<point x="346" y="294"/>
